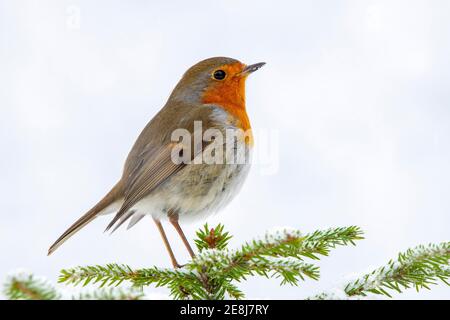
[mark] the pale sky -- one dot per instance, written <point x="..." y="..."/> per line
<point x="357" y="92"/>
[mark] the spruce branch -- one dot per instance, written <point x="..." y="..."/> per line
<point x="418" y="268"/>
<point x="214" y="272"/>
<point x="181" y="283"/>
<point x="291" y="243"/>
<point x="263" y="256"/>
<point x="24" y="286"/>
<point x="210" y="275"/>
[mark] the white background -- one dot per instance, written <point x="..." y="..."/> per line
<point x="358" y="92"/>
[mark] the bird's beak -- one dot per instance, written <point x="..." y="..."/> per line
<point x="251" y="68"/>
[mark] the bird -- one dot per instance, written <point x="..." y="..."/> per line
<point x="174" y="172"/>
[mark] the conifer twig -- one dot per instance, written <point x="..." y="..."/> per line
<point x="418" y="268"/>
<point x="23" y="286"/>
<point x="211" y="273"/>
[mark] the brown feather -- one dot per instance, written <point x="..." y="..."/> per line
<point x="142" y="176"/>
<point x="113" y="195"/>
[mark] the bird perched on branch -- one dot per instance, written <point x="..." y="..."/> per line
<point x="192" y="157"/>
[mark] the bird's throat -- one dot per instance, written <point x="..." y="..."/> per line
<point x="231" y="97"/>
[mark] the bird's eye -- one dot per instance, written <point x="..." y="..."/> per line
<point x="219" y="75"/>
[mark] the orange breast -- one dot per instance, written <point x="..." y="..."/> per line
<point x="233" y="101"/>
<point x="229" y="95"/>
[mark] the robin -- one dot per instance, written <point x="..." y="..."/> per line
<point x="154" y="182"/>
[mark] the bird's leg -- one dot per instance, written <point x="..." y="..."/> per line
<point x="173" y="218"/>
<point x="166" y="243"/>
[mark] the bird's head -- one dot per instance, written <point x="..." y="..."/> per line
<point x="218" y="80"/>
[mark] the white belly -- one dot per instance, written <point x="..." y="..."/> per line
<point x="195" y="192"/>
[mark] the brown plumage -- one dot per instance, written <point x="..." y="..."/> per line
<point x="152" y="183"/>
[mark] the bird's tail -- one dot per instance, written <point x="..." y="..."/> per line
<point x="111" y="197"/>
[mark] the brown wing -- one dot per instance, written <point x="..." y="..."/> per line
<point x="147" y="169"/>
<point x="151" y="174"/>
